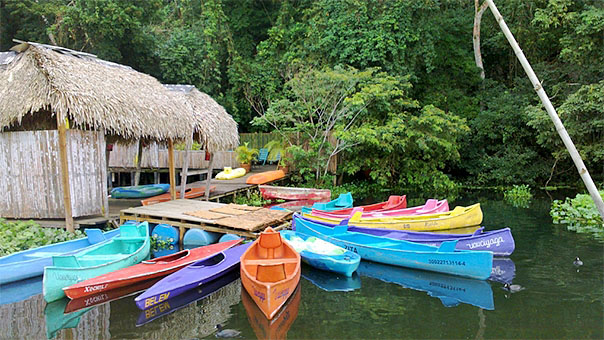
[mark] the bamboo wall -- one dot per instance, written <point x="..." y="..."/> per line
<point x="31" y="179"/>
<point x="154" y="157"/>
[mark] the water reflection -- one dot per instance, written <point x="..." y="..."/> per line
<point x="504" y="270"/>
<point x="451" y="290"/>
<point x="331" y="282"/>
<point x="20" y="290"/>
<point x="111" y="295"/>
<point x="182" y="300"/>
<point x="278" y="327"/>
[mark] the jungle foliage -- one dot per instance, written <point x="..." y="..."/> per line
<point x="389" y="88"/>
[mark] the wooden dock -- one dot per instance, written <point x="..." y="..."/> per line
<point x="210" y="216"/>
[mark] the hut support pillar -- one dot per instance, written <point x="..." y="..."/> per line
<point x="185" y="167"/>
<point x="138" y="161"/>
<point x="62" y="128"/>
<point x="210" y="169"/>
<point x="551" y="111"/>
<point x="171" y="169"/>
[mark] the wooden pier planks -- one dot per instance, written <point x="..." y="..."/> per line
<point x="180" y="213"/>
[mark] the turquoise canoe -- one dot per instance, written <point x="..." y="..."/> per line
<point x="343" y="201"/>
<point x="31" y="262"/>
<point x="140" y="191"/>
<point x="131" y="247"/>
<point x="444" y="258"/>
<point x="322" y="255"/>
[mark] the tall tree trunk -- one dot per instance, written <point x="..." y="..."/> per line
<point x="478" y="11"/>
<point x="551" y="111"/>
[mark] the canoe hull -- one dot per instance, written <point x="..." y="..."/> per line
<point x="98" y="260"/>
<point x="393" y="202"/>
<point x="192" y="276"/>
<point x="293" y="194"/>
<point x="472" y="264"/>
<point x="265" y="177"/>
<point x="431" y="207"/>
<point x="500" y="242"/>
<point x="270" y="271"/>
<point x="31" y="262"/>
<point x="344" y="264"/>
<point x="189" y="194"/>
<point x="139" y="191"/>
<point x="460" y="217"/>
<point x="143" y="271"/>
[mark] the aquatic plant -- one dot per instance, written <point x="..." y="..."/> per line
<point x="579" y="214"/>
<point x="519" y="196"/>
<point x="23" y="235"/>
<point x="254" y="199"/>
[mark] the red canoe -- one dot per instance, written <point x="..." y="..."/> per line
<point x="145" y="270"/>
<point x="189" y="193"/>
<point x="393" y="203"/>
<point x="270" y="192"/>
<point x="265" y="177"/>
<point x="108" y="296"/>
<point x="432" y="206"/>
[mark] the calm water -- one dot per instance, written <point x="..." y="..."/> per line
<point x="558" y="302"/>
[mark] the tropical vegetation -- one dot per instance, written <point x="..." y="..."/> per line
<point x="388" y="90"/>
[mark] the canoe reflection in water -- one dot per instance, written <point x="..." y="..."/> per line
<point x="451" y="290"/>
<point x="504" y="270"/>
<point x="182" y="300"/>
<point x="278" y="326"/>
<point x="20" y="290"/>
<point x="56" y="320"/>
<point x="331" y="282"/>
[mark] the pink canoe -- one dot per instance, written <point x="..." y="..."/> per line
<point x="432" y="206"/>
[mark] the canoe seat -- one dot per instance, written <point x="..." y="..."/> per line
<point x="269" y="261"/>
<point x="39" y="254"/>
<point x="271" y="272"/>
<point x="270" y="241"/>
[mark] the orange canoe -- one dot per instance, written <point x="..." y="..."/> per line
<point x="265" y="177"/>
<point x="270" y="271"/>
<point x="278" y="327"/>
<point x="189" y="193"/>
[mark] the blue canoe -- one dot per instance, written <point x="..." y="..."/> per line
<point x="443" y="259"/>
<point x="324" y="256"/>
<point x="500" y="241"/>
<point x="20" y="290"/>
<point x="451" y="290"/>
<point x="31" y="262"/>
<point x="342" y="202"/>
<point x="140" y="191"/>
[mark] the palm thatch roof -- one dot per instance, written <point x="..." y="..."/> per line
<point x="215" y="128"/>
<point x="92" y="93"/>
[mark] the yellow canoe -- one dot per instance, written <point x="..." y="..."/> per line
<point x="460" y="217"/>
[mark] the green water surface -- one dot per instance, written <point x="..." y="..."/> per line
<point x="559" y="300"/>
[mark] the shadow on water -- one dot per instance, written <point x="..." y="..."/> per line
<point x="331" y="282"/>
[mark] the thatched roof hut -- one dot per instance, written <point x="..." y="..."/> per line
<point x="93" y="93"/>
<point x="58" y="106"/>
<point x="215" y="129"/>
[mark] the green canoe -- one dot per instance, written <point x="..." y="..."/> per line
<point x="131" y="247"/>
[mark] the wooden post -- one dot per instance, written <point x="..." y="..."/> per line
<point x="185" y="167"/>
<point x="171" y="169"/>
<point x="62" y="128"/>
<point x="570" y="146"/>
<point x="210" y="169"/>
<point x="138" y="161"/>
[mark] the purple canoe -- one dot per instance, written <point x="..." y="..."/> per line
<point x="191" y="276"/>
<point x="500" y="241"/>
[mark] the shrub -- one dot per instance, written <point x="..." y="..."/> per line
<point x="23" y="235"/>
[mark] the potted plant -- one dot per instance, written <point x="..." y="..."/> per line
<point x="245" y="155"/>
<point x="277" y="150"/>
